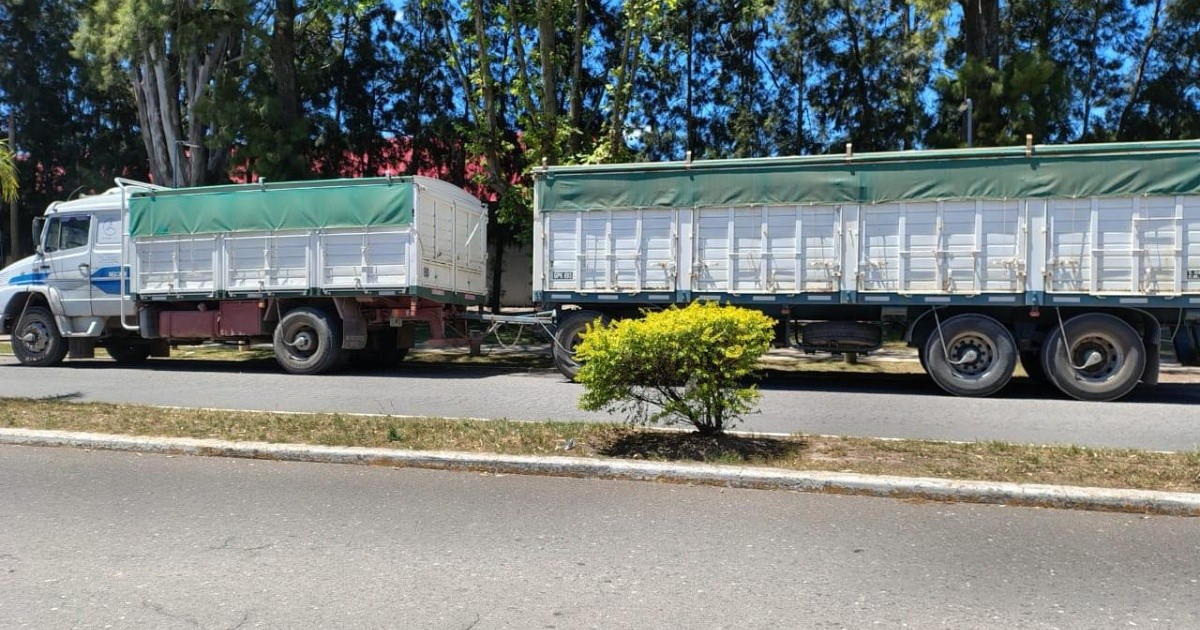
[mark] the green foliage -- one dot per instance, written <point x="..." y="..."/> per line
<point x="676" y="366"/>
<point x="71" y="135"/>
<point x="478" y="92"/>
<point x="8" y="173"/>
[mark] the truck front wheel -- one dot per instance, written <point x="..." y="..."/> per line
<point x="36" y="340"/>
<point x="308" y="341"/>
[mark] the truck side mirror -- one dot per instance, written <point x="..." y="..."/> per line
<point x="39" y="224"/>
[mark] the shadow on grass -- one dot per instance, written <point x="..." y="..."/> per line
<point x="702" y="448"/>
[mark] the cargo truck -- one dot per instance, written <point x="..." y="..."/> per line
<point x="1073" y="261"/>
<point x="329" y="272"/>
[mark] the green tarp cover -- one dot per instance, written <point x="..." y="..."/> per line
<point x="1102" y="170"/>
<point x="284" y="206"/>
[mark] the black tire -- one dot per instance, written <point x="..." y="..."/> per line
<point x="36" y="340"/>
<point x="567" y="337"/>
<point x="1119" y="360"/>
<point x="127" y="351"/>
<point x="978" y="359"/>
<point x="1031" y="362"/>
<point x="1187" y="345"/>
<point x="308" y="341"/>
<point x="381" y="351"/>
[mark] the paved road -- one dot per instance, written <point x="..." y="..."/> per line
<point x="98" y="539"/>
<point x="1163" y="418"/>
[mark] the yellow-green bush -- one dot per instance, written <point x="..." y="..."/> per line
<point x="684" y="365"/>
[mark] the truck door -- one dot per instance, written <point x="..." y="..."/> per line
<point x="68" y="257"/>
<point x="106" y="265"/>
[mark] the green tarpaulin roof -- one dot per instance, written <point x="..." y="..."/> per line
<point x="1098" y="170"/>
<point x="283" y="206"/>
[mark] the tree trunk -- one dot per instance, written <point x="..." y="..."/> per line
<point x="981" y="30"/>
<point x="291" y="124"/>
<point x="576" y="114"/>
<point x="283" y="61"/>
<point x="546" y="36"/>
<point x="491" y="141"/>
<point x="491" y="125"/>
<point x="521" y="54"/>
<point x="1090" y="83"/>
<point x="866" y="107"/>
<point x="626" y="71"/>
<point x="1140" y="73"/>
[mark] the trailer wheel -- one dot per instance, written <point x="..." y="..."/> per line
<point x="567" y="337"/>
<point x="1101" y="358"/>
<point x="1031" y="362"/>
<point x="1187" y="344"/>
<point x="36" y="340"/>
<point x="978" y="358"/>
<point x="381" y="351"/>
<point x="308" y="341"/>
<point x="127" y="351"/>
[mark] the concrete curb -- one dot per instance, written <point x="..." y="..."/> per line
<point x="1102" y="499"/>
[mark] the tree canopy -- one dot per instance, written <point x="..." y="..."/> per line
<point x="191" y="92"/>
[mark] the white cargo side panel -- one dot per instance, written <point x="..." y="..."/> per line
<point x="369" y="259"/>
<point x="766" y="249"/>
<point x="1002" y="233"/>
<point x="1188" y="279"/>
<point x="561" y="270"/>
<point x="611" y="251"/>
<point x="267" y="261"/>
<point x="955" y="247"/>
<point x="1094" y="247"/>
<point x="983" y="247"/>
<point x="880" y="233"/>
<point x="176" y="265"/>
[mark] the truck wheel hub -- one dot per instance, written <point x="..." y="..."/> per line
<point x="35" y="338"/>
<point x="304" y="342"/>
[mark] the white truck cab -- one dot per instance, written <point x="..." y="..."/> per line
<point x="72" y="285"/>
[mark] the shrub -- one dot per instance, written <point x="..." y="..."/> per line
<point x="676" y="366"/>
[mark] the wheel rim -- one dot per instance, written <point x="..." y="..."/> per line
<point x="35" y="336"/>
<point x="1096" y="358"/>
<point x="971" y="355"/>
<point x="302" y="341"/>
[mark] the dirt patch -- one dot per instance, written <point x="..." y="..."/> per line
<point x="702" y="448"/>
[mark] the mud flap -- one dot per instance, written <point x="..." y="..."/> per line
<point x="1152" y="341"/>
<point x="354" y="327"/>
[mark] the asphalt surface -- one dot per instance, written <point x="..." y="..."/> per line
<point x="730" y="476"/>
<point x="1166" y="417"/>
<point x="99" y="539"/>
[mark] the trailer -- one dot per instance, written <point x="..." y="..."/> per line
<point x="1074" y="261"/>
<point x="329" y="272"/>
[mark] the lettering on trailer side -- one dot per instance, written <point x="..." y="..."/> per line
<point x="565" y="275"/>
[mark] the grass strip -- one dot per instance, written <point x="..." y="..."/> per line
<point x="988" y="461"/>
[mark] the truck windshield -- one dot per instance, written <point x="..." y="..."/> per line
<point x="67" y="233"/>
